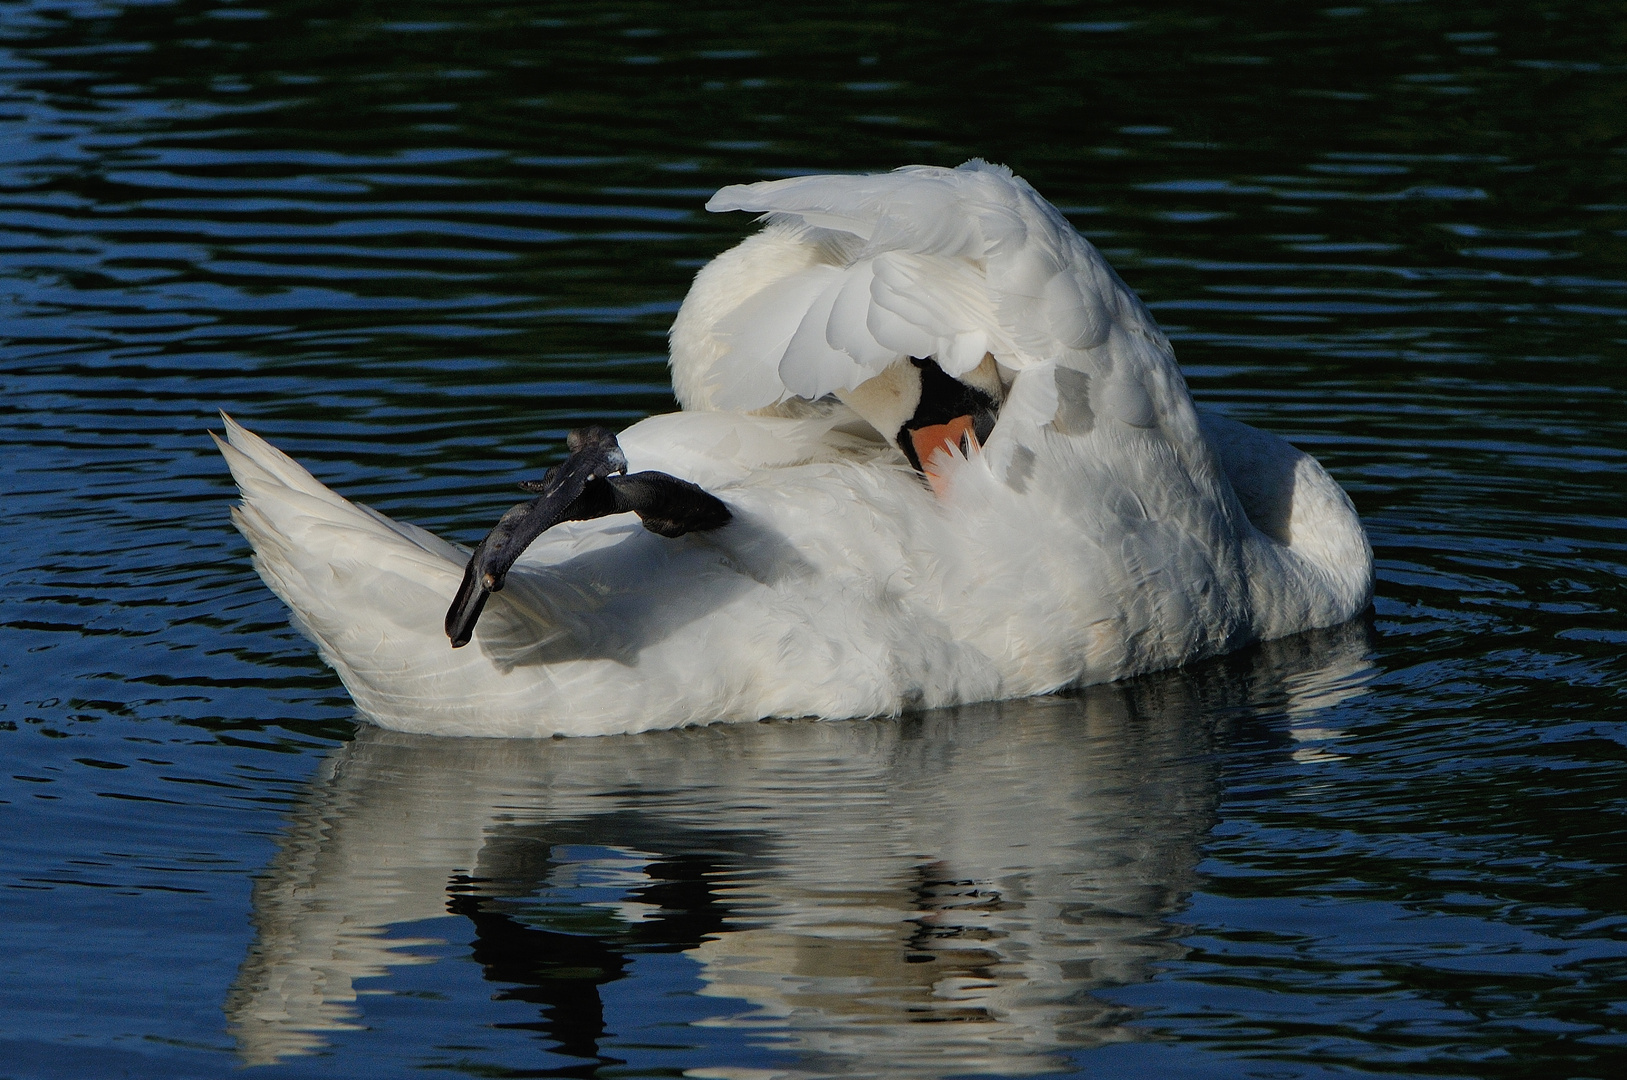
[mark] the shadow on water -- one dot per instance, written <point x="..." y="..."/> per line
<point x="922" y="896"/>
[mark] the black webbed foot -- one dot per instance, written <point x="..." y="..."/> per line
<point x="667" y="505"/>
<point x="585" y="485"/>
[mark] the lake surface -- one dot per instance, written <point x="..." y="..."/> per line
<point x="414" y="244"/>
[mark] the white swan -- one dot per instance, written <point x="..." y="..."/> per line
<point x="1102" y="527"/>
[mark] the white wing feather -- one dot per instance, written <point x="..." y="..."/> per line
<point x="812" y="364"/>
<point x="764" y="326"/>
<point x="925" y="261"/>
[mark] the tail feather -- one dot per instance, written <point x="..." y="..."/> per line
<point x="369" y="591"/>
<point x="260" y="469"/>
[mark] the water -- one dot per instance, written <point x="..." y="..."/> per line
<point x="415" y="245"/>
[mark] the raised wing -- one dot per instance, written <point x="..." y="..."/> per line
<point x="855" y="272"/>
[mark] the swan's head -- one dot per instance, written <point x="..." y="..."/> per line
<point x="922" y="411"/>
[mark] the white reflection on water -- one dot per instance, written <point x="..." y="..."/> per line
<point x="936" y="894"/>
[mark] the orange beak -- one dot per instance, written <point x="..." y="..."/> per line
<point x="933" y="445"/>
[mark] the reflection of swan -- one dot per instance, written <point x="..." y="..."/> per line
<point x="925" y="896"/>
<point x="1082" y="521"/>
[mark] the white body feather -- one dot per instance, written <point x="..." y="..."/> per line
<point x="1104" y="530"/>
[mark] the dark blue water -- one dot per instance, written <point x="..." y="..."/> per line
<point x="414" y="244"/>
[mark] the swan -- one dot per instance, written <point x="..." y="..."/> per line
<point x="957" y="460"/>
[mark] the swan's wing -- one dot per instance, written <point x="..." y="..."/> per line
<point x="718" y="449"/>
<point x="855" y="272"/>
<point x="916" y="208"/>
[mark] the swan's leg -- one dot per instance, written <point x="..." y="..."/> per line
<point x="584" y="486"/>
<point x="595" y="454"/>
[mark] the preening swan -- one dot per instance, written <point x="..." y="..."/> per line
<point x="957" y="461"/>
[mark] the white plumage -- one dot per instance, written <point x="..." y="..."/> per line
<point x="1104" y="528"/>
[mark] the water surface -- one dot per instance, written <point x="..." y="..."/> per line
<point x="413" y="246"/>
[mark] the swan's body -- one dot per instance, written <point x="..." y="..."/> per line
<point x="1103" y="529"/>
